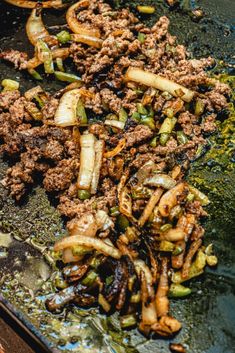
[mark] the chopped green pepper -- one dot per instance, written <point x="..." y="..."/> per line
<point x="35" y="74"/>
<point x="45" y="55"/>
<point x="123" y="115"/>
<point x="178" y="291"/>
<point x="166" y="246"/>
<point x="59" y="63"/>
<point x="163" y="139"/>
<point x="90" y="278"/>
<point x="141" y="109"/>
<point x="153" y="142"/>
<point x="149" y="122"/>
<point x="63" y="37"/>
<point x="66" y="77"/>
<point x="181" y="137"/>
<point x="165" y="227"/>
<point x="136" y="116"/>
<point x="146" y="9"/>
<point x="10" y="85"/>
<point x="167" y="125"/>
<point x="84" y="194"/>
<point x="141" y="37"/>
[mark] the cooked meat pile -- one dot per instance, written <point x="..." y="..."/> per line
<point x="118" y="169"/>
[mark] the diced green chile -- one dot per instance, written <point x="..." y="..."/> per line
<point x="141" y="109"/>
<point x="127" y="321"/>
<point x="123" y="115"/>
<point x="90" y="278"/>
<point x="63" y="37"/>
<point x="66" y="77"/>
<point x="178" y="291"/>
<point x="149" y="122"/>
<point x="83" y="194"/>
<point x="114" y="211"/>
<point x="35" y="74"/>
<point x="181" y="137"/>
<point x="164" y="138"/>
<point x="153" y="142"/>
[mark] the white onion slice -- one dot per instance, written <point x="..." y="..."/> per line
<point x="66" y="113"/>
<point x="99" y="151"/>
<point x="87" y="161"/>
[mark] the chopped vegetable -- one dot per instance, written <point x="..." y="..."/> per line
<point x="10" y="85"/>
<point x="164" y="138"/>
<point x="167" y="125"/>
<point x="66" y="77"/>
<point x="63" y="37"/>
<point x="99" y="151"/>
<point x="170" y="199"/>
<point x="122" y="222"/>
<point x="35" y="74"/>
<point x="86" y="39"/>
<point x="199" y="195"/>
<point x="178" y="291"/>
<point x="116" y="150"/>
<point x="92" y="243"/>
<point x="141" y="37"/>
<point x="66" y="113"/>
<point x="160" y="180"/>
<point x="115" y="123"/>
<point x="181" y="137"/>
<point x="84" y="194"/>
<point x="104" y="303"/>
<point x="146" y="9"/>
<point x="87" y="161"/>
<point x="45" y="56"/>
<point x="59" y="64"/>
<point x="81" y="113"/>
<point x="123" y="115"/>
<point x="27" y="4"/>
<point x="159" y="82"/>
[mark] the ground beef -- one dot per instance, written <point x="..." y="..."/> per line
<point x="140" y="134"/>
<point x="18" y="58"/>
<point x="61" y="176"/>
<point x="7" y="98"/>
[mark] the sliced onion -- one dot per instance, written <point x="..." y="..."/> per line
<point x="116" y="150"/>
<point x="199" y="195"/>
<point x="66" y="113"/>
<point x="93" y="243"/>
<point x="85" y="39"/>
<point x="150" y="206"/>
<point x="75" y="25"/>
<point x="125" y="202"/>
<point x="115" y="123"/>
<point x="160" y="180"/>
<point x="99" y="151"/>
<point x="62" y="53"/>
<point x="140" y="265"/>
<point x="35" y="28"/>
<point x="87" y="161"/>
<point x="103" y="220"/>
<point x="170" y="199"/>
<point x="86" y="225"/>
<point x="163" y="84"/>
<point x="27" y="4"/>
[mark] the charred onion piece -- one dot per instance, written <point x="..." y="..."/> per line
<point x="35" y="28"/>
<point x="27" y="4"/>
<point x="92" y="243"/>
<point x="75" y="25"/>
<point x="170" y="199"/>
<point x="163" y="84"/>
<point x="66" y="113"/>
<point x="99" y="151"/>
<point x="86" y="39"/>
<point x="162" y="301"/>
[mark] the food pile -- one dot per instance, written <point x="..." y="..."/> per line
<point x="113" y="148"/>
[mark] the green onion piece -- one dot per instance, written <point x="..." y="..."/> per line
<point x="163" y="139"/>
<point x="146" y="9"/>
<point x="95" y="262"/>
<point x="59" y="64"/>
<point x="153" y="142"/>
<point x="114" y="211"/>
<point x="141" y="109"/>
<point x="63" y="37"/>
<point x="177" y="250"/>
<point x="166" y="246"/>
<point x="178" y="291"/>
<point x="167" y="125"/>
<point x="169" y="113"/>
<point x="165" y="227"/>
<point x="127" y="321"/>
<point x="135" y="298"/>
<point x="10" y="85"/>
<point x="136" y="116"/>
<point x="104" y="303"/>
<point x="80" y="250"/>
<point x="149" y="122"/>
<point x="90" y="278"/>
<point x="199" y="107"/>
<point x="81" y="113"/>
<point x="123" y="115"/>
<point x="122" y="222"/>
<point x="65" y="77"/>
<point x="45" y="55"/>
<point x="181" y="137"/>
<point x="83" y="194"/>
<point x="34" y="112"/>
<point x="35" y="74"/>
<point x="190" y="197"/>
<point x="141" y="37"/>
